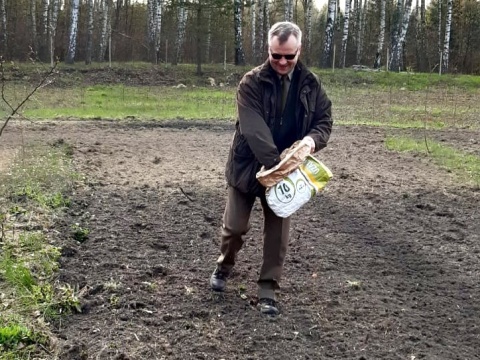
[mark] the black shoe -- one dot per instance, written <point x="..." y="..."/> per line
<point x="268" y="306"/>
<point x="218" y="280"/>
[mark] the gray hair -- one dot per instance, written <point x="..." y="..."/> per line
<point x="283" y="30"/>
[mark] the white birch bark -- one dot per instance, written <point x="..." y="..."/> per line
<point x="33" y="27"/>
<point x="54" y="8"/>
<point x="4" y="36"/>
<point x="151" y="27"/>
<point x="345" y="33"/>
<point x="329" y="32"/>
<point x="182" y="16"/>
<point x="239" y="53"/>
<point x="307" y="46"/>
<point x="90" y="27"/>
<point x="253" y="25"/>
<point x="261" y="27"/>
<point x="439" y="35"/>
<point x="158" y="27"/>
<point x="72" y="33"/>
<point x="104" y="20"/>
<point x="45" y="4"/>
<point x="446" y="42"/>
<point x="397" y="60"/>
<point x="288" y="10"/>
<point x="208" y="40"/>
<point x="381" y="36"/>
<point x="359" y="31"/>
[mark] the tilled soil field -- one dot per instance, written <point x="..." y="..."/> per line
<point x="384" y="264"/>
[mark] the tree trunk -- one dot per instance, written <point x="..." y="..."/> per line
<point x="237" y="20"/>
<point x="199" y="39"/>
<point x="90" y="27"/>
<point x="33" y="30"/>
<point x="446" y="42"/>
<point x="439" y="33"/>
<point x="104" y="19"/>
<point x="345" y="33"/>
<point x="4" y="36"/>
<point x="396" y="63"/>
<point x="151" y="29"/>
<point x="288" y="10"/>
<point x="182" y="15"/>
<point x="329" y="32"/>
<point x="208" y="40"/>
<point x="54" y="8"/>
<point x="307" y="47"/>
<point x="158" y="28"/>
<point x="253" y="37"/>
<point x="72" y="33"/>
<point x="381" y="37"/>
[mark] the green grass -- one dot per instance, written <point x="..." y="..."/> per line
<point x="121" y="102"/>
<point x="33" y="190"/>
<point x="466" y="166"/>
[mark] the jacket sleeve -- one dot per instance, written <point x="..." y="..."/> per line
<point x="252" y="124"/>
<point x="321" y="124"/>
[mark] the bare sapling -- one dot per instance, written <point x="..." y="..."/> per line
<point x="14" y="110"/>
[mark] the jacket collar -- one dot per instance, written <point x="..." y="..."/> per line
<point x="267" y="73"/>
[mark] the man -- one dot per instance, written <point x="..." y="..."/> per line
<point x="278" y="103"/>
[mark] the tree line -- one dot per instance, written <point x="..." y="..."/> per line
<point x="441" y="36"/>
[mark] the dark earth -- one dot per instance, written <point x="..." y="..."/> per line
<point x="384" y="264"/>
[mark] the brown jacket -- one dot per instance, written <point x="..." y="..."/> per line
<point x="253" y="144"/>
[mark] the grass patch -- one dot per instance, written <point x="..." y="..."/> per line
<point x="466" y="166"/>
<point x="122" y="102"/>
<point x="32" y="191"/>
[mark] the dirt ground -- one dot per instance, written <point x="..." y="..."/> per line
<point x="384" y="264"/>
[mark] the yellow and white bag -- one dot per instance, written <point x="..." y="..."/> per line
<point x="297" y="188"/>
<point x="295" y="180"/>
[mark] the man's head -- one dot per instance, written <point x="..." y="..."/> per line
<point x="284" y="43"/>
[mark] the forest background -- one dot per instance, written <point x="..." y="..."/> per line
<point x="441" y="35"/>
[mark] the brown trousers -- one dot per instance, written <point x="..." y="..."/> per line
<point x="236" y="223"/>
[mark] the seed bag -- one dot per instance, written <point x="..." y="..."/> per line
<point x="295" y="180"/>
<point x="297" y="188"/>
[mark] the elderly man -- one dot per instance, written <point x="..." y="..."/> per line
<point x="278" y="103"/>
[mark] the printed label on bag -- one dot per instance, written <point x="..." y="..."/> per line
<point x="285" y="191"/>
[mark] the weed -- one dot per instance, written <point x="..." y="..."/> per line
<point x="79" y="233"/>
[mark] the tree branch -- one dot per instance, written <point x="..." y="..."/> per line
<point x="15" y="110"/>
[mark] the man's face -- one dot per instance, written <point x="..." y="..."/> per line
<point x="276" y="54"/>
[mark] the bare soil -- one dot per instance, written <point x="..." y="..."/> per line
<point x="384" y="264"/>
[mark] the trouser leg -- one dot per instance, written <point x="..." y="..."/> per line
<point x="235" y="224"/>
<point x="275" y="243"/>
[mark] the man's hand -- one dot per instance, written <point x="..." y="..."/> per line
<point x="311" y="142"/>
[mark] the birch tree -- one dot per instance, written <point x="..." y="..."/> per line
<point x="104" y="29"/>
<point x="346" y="22"/>
<point x="72" y="33"/>
<point x="90" y="27"/>
<point x="182" y="16"/>
<point x="253" y="26"/>
<point x="43" y="38"/>
<point x="361" y="14"/>
<point x="208" y="40"/>
<point x="396" y="62"/>
<point x="329" y="32"/>
<point x="33" y="27"/>
<point x="288" y="10"/>
<point x="381" y="36"/>
<point x="237" y="20"/>
<point x="4" y="36"/>
<point x="53" y="18"/>
<point x="307" y="44"/>
<point x="262" y="26"/>
<point x="446" y="42"/>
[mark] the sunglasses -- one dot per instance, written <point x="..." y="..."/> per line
<point x="287" y="57"/>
